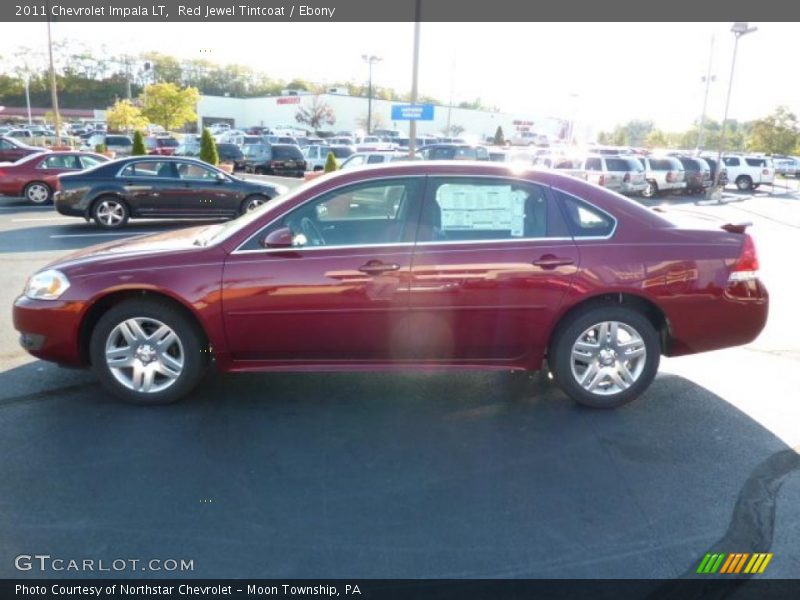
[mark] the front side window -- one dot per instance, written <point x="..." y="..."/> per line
<point x="90" y="161"/>
<point x="372" y="213"/>
<point x="731" y="161"/>
<point x="475" y="209"/>
<point x="193" y="171"/>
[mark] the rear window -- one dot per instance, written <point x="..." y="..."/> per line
<point x="284" y="152"/>
<point x="118" y="140"/>
<point x="168" y="142"/>
<point x="623" y="164"/>
<point x="341" y="152"/>
<point x="661" y="164"/>
<point x="690" y="164"/>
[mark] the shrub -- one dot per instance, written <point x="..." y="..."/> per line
<point x="499" y="138"/>
<point x="330" y="163"/>
<point x="100" y="148"/>
<point x="208" y="148"/>
<point x="138" y="144"/>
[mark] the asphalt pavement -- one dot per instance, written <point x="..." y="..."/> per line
<point x="406" y="475"/>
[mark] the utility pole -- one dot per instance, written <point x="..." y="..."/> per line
<point x="412" y="127"/>
<point x="53" y="91"/>
<point x="701" y="134"/>
<point x="452" y="88"/>
<point x="370" y="60"/>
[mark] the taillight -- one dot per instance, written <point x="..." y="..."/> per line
<point x="670" y="177"/>
<point x="2" y="173"/>
<point x="602" y="180"/>
<point x="765" y="172"/>
<point x="627" y="178"/>
<point x="746" y="267"/>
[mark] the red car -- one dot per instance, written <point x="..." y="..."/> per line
<point x="11" y="149"/>
<point x="36" y="176"/>
<point x="161" y="145"/>
<point x="419" y="265"/>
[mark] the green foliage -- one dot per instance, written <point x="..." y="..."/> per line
<point x="100" y="148"/>
<point x="138" y="144"/>
<point x="499" y="138"/>
<point x="778" y="133"/>
<point x="208" y="148"/>
<point x="170" y="106"/>
<point x="330" y="163"/>
<point x="124" y="116"/>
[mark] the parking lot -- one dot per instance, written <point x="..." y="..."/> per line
<point x="409" y="475"/>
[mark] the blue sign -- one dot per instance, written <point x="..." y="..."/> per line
<point x="412" y="112"/>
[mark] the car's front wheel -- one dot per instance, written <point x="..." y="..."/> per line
<point x="109" y="212"/>
<point x="252" y="203"/>
<point x="605" y="356"/>
<point x="147" y="352"/>
<point x="37" y="192"/>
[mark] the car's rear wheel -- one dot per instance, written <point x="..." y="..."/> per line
<point x="37" y="192"/>
<point x="110" y="212"/>
<point x="147" y="352"/>
<point x="252" y="203"/>
<point x="605" y="356"/>
<point x="744" y="183"/>
<point x="755" y="186"/>
<point x="651" y="189"/>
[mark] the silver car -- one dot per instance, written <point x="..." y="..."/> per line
<point x="623" y="174"/>
<point x="662" y="173"/>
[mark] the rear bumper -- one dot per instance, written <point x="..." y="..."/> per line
<point x="672" y="185"/>
<point x="49" y="330"/>
<point x="632" y="188"/>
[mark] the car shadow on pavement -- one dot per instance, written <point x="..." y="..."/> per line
<point x="389" y="475"/>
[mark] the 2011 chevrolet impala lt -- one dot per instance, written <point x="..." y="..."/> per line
<point x="407" y="266"/>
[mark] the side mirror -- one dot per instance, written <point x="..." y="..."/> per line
<point x="280" y="238"/>
<point x="221" y="178"/>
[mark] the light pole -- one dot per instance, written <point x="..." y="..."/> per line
<point x="707" y="79"/>
<point x="412" y="125"/>
<point x="53" y="90"/>
<point x="28" y="96"/>
<point x="370" y="60"/>
<point x="739" y="29"/>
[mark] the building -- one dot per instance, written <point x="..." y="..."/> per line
<point x="278" y="112"/>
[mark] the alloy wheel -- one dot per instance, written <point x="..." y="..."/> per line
<point x="38" y="193"/>
<point x="144" y="355"/>
<point x="110" y="213"/>
<point x="608" y="358"/>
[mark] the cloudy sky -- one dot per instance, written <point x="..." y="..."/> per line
<point x="602" y="73"/>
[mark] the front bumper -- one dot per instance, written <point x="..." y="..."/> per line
<point x="632" y="188"/>
<point x="49" y="329"/>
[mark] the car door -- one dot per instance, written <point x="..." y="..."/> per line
<point x="341" y="292"/>
<point x="148" y="185"/>
<point x="492" y="262"/>
<point x="200" y="190"/>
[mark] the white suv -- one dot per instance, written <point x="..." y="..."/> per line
<point x="748" y="172"/>
<point x="662" y="173"/>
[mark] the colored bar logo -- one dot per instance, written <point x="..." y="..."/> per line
<point x="734" y="563"/>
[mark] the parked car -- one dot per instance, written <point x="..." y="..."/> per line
<point x="231" y="153"/>
<point x="454" y="152"/>
<point x="161" y="145"/>
<point x="316" y="155"/>
<point x="157" y="187"/>
<point x="279" y="139"/>
<point x="569" y="166"/>
<point x="662" y="174"/>
<point x="788" y="167"/>
<point x="623" y="174"/>
<point x="20" y="134"/>
<point x="12" y="150"/>
<point x="712" y="165"/>
<point x="697" y="174"/>
<point x="120" y="145"/>
<point x="749" y="172"/>
<point x="386" y="277"/>
<point x="274" y="159"/>
<point x="376" y="158"/>
<point x="36" y="175"/>
<point x="528" y="138"/>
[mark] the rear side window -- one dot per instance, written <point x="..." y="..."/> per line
<point x="374" y="159"/>
<point x="458" y="210"/>
<point x="661" y="164"/>
<point x="731" y="161"/>
<point x="594" y="164"/>
<point x="756" y="162"/>
<point x="583" y="219"/>
<point x="618" y="164"/>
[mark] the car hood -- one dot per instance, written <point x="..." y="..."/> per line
<point x="146" y="245"/>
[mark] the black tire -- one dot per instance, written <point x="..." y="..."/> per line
<point x="744" y="183"/>
<point x="572" y="329"/>
<point x="106" y="205"/>
<point x="755" y="186"/>
<point x="651" y="191"/>
<point x="251" y="202"/>
<point x="194" y="349"/>
<point x="38" y="193"/>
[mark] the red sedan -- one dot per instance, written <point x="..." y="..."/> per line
<point x="36" y="177"/>
<point x="421" y="265"/>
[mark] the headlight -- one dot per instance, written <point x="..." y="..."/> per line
<point x="47" y="285"/>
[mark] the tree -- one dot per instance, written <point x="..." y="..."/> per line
<point x="499" y="138"/>
<point x="208" y="148"/>
<point x="168" y="105"/>
<point x="777" y="133"/>
<point x="315" y="115"/>
<point x="656" y="139"/>
<point x="330" y="163"/>
<point x="377" y="122"/>
<point x="138" y="144"/>
<point x="124" y="116"/>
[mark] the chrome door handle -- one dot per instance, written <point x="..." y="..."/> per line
<point x="551" y="261"/>
<point x="375" y="267"/>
